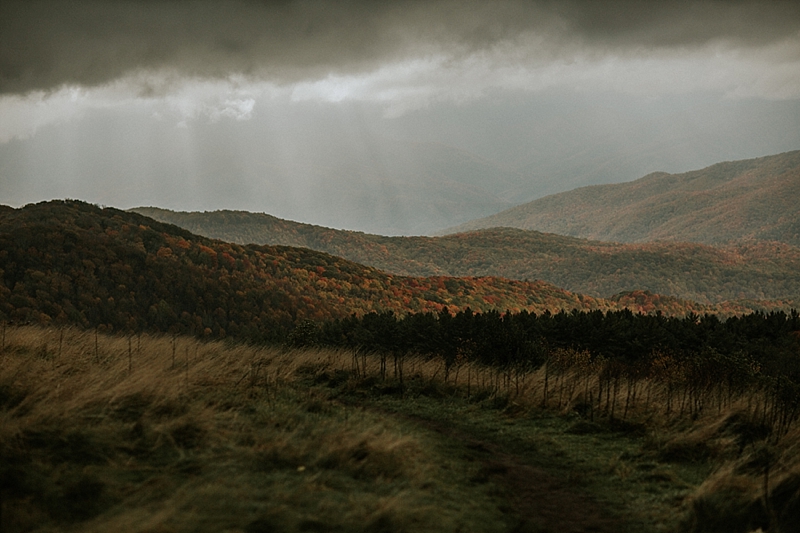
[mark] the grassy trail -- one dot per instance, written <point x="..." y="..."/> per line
<point x="538" y="499"/>
<point x="160" y="434"/>
<point x="555" y="472"/>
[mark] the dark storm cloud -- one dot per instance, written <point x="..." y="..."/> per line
<point x="681" y="23"/>
<point x="46" y="44"/>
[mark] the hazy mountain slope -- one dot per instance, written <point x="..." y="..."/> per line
<point x="755" y="271"/>
<point x="749" y="199"/>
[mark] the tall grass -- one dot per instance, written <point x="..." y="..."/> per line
<point x="155" y="433"/>
<point x="750" y="440"/>
<point x="149" y="433"/>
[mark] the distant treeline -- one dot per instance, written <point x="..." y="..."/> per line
<point x="525" y="339"/>
<point x="703" y="359"/>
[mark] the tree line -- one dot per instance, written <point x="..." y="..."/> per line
<point x="701" y="361"/>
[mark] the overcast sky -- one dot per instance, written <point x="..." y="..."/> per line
<point x="354" y="114"/>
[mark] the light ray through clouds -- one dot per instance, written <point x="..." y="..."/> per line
<point x="379" y="116"/>
<point x="193" y="99"/>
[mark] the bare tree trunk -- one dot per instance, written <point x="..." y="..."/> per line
<point x="627" y="400"/>
<point x="546" y="382"/>
<point x="400" y="375"/>
<point x="586" y="389"/>
<point x="614" y="399"/>
<point x="600" y="392"/>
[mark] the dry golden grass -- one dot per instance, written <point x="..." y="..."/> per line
<point x="144" y="433"/>
<point x="113" y="434"/>
<point x="755" y="469"/>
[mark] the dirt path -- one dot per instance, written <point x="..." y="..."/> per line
<point x="541" y="501"/>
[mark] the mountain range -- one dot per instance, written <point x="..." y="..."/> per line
<point x="255" y="276"/>
<point x="68" y="262"/>
<point x="752" y="270"/>
<point x="753" y="199"/>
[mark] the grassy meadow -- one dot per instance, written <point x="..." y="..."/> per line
<point x="167" y="434"/>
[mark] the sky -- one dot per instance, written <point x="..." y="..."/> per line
<point x="396" y="117"/>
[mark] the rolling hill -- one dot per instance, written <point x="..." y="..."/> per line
<point x="732" y="201"/>
<point x="71" y="262"/>
<point x="67" y="262"/>
<point x="753" y="270"/>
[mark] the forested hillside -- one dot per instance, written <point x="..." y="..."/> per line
<point x="751" y="270"/>
<point x="749" y="199"/>
<point x="71" y="262"/>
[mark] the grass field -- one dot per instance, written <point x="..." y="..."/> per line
<point x="102" y="433"/>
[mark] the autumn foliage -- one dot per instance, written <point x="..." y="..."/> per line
<point x="71" y="262"/>
<point x="751" y="270"/>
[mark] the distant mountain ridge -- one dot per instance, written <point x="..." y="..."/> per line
<point x="756" y="199"/>
<point x="68" y="262"/>
<point x="751" y="271"/>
